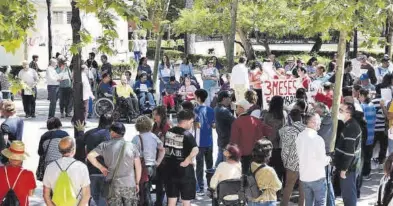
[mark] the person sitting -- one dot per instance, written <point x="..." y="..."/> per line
<point x="169" y="93"/>
<point x="265" y="175"/>
<point x="105" y="87"/>
<point x="187" y="90"/>
<point x="230" y="169"/>
<point x="144" y="88"/>
<point x="125" y="91"/>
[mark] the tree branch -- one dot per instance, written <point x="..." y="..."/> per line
<point x="238" y="42"/>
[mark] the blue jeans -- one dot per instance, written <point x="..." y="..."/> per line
<point x="315" y="192"/>
<point x="137" y="56"/>
<point x="349" y="189"/>
<point x="90" y="106"/>
<point x="96" y="185"/>
<point x="53" y="91"/>
<point x="267" y="203"/>
<point x="330" y="200"/>
<point x="142" y="99"/>
<point x="220" y="156"/>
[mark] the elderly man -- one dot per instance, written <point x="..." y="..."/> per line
<point x="245" y="131"/>
<point x="239" y="79"/>
<point x="53" y="81"/>
<point x="13" y="175"/>
<point x="29" y="78"/>
<point x="76" y="170"/>
<point x="125" y="91"/>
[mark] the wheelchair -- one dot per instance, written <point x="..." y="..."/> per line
<point x="193" y="79"/>
<point x="229" y="193"/>
<point x="117" y="106"/>
<point x="103" y="105"/>
<point x="146" y="109"/>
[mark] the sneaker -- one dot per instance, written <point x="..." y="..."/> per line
<point x="27" y="116"/>
<point x="367" y="177"/>
<point x="61" y="115"/>
<point x="33" y="116"/>
<point x="200" y="193"/>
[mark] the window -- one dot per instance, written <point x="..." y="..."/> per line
<point x="69" y="16"/>
<point x="57" y="17"/>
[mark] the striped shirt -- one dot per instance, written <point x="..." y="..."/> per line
<point x="370" y="115"/>
<point x="381" y="119"/>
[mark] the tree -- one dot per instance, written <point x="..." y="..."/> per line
<point x="16" y="18"/>
<point x="189" y="39"/>
<point x="232" y="34"/>
<point x="48" y="5"/>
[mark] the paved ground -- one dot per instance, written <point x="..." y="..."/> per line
<point x="34" y="128"/>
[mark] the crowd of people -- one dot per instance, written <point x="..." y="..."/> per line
<point x="282" y="147"/>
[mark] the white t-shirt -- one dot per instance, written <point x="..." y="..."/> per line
<point x="87" y="93"/>
<point x="29" y="76"/>
<point x="77" y="172"/>
<point x="136" y="45"/>
<point x="240" y="76"/>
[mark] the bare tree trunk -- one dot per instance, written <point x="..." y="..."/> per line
<point x="355" y="42"/>
<point x="189" y="39"/>
<point x="232" y="35"/>
<point x="246" y="44"/>
<point x="267" y="47"/>
<point x="318" y="44"/>
<point x="49" y="7"/>
<point x="76" y="63"/>
<point x="338" y="85"/>
<point x="389" y="36"/>
<point x="225" y="40"/>
<point x="159" y="39"/>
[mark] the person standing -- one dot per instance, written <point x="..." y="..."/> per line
<point x="52" y="79"/>
<point x="204" y="137"/>
<point x="14" y="176"/>
<point x="180" y="149"/>
<point x="312" y="162"/>
<point x="137" y="48"/>
<point x="86" y="88"/>
<point x="245" y="131"/>
<point x="348" y="154"/>
<point x="210" y="78"/>
<point x="106" y="67"/>
<point x="143" y="46"/>
<point x="33" y="64"/>
<point x="165" y="72"/>
<point x="239" y="79"/>
<point x="29" y="78"/>
<point x="288" y="136"/>
<point x="224" y="119"/>
<point x="125" y="182"/>
<point x="5" y="84"/>
<point x="91" y="62"/>
<point x="65" y="88"/>
<point x="76" y="170"/>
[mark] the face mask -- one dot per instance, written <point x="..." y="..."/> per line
<point x="341" y="117"/>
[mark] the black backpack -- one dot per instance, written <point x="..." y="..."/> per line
<point x="250" y="185"/>
<point x="10" y="199"/>
<point x="385" y="193"/>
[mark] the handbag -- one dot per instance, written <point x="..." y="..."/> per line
<point x="41" y="163"/>
<point x="107" y="191"/>
<point x="145" y="172"/>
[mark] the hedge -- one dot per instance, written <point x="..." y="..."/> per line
<point x="169" y="44"/>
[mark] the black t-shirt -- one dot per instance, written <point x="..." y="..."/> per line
<point x="92" y="139"/>
<point x="178" y="145"/>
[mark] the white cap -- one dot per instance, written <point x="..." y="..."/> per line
<point x="244" y="104"/>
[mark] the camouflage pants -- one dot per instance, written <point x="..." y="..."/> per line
<point x="124" y="196"/>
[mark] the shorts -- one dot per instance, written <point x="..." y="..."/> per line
<point x="187" y="189"/>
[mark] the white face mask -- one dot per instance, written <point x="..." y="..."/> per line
<point x="341" y="117"/>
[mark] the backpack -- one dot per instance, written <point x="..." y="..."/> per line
<point x="10" y="199"/>
<point x="63" y="192"/>
<point x="250" y="185"/>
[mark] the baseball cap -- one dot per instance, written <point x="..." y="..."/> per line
<point x="222" y="95"/>
<point x="244" y="104"/>
<point x="364" y="77"/>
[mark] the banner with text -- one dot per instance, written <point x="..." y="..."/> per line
<point x="285" y="88"/>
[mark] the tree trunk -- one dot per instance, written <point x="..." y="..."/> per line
<point x="267" y="47"/>
<point x="48" y="5"/>
<point x="158" y="44"/>
<point x="348" y="48"/>
<point x="246" y="44"/>
<point x="225" y="40"/>
<point x="79" y="109"/>
<point x="318" y="44"/>
<point x="338" y="85"/>
<point x="232" y="35"/>
<point x="355" y="43"/>
<point x="189" y="39"/>
<point x="389" y="36"/>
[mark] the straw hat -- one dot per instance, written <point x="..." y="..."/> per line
<point x="16" y="151"/>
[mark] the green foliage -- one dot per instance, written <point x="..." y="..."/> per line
<point x="16" y="18"/>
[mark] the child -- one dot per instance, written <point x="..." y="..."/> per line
<point x="170" y="92"/>
<point x="204" y="118"/>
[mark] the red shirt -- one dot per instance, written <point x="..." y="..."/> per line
<point x="306" y="82"/>
<point x="25" y="184"/>
<point x="246" y="131"/>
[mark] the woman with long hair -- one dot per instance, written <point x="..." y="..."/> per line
<point x="144" y="67"/>
<point x="165" y="72"/>
<point x="186" y="69"/>
<point x="265" y="176"/>
<point x="210" y="76"/>
<point x="276" y="118"/>
<point x="160" y="127"/>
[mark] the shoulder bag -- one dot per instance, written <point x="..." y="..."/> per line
<point x="145" y="172"/>
<point x="41" y="162"/>
<point x="107" y="189"/>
